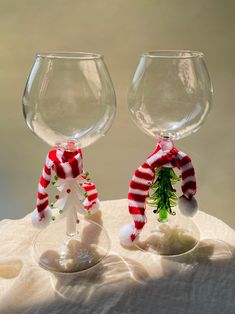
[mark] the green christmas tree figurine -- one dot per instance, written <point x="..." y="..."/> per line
<point x="163" y="196"/>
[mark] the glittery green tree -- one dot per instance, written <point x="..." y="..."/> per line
<point x="162" y="194"/>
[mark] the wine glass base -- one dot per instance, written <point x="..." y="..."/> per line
<point x="177" y="236"/>
<point x="59" y="253"/>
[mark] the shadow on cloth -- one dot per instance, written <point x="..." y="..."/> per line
<point x="10" y="268"/>
<point x="202" y="281"/>
<point x="109" y="275"/>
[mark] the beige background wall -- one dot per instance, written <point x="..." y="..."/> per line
<point x="120" y="30"/>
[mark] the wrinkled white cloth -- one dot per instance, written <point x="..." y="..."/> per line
<point x="127" y="281"/>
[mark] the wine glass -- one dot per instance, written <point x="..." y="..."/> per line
<point x="69" y="102"/>
<point x="169" y="98"/>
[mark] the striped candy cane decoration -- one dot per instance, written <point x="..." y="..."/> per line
<point x="66" y="165"/>
<point x="142" y="180"/>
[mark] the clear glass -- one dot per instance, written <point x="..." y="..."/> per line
<point x="178" y="235"/>
<point x="66" y="254"/>
<point x="69" y="102"/>
<point x="169" y="98"/>
<point x="69" y="97"/>
<point x="171" y="93"/>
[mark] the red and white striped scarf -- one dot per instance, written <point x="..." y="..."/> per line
<point x="66" y="165"/>
<point x="144" y="176"/>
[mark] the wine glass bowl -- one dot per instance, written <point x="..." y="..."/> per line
<point x="69" y="97"/>
<point x="171" y="93"/>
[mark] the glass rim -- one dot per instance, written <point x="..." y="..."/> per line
<point x="69" y="55"/>
<point x="173" y="54"/>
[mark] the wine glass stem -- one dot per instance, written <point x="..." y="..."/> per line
<point x="165" y="143"/>
<point x="163" y="215"/>
<point x="71" y="219"/>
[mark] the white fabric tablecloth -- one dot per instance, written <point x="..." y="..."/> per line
<point x="127" y="281"/>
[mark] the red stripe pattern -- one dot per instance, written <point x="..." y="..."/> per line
<point x="65" y="164"/>
<point x="144" y="176"/>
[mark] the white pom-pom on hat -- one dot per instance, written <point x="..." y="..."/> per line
<point x="125" y="235"/>
<point x="44" y="222"/>
<point x="188" y="207"/>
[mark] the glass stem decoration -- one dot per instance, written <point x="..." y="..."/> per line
<point x="169" y="98"/>
<point x="162" y="194"/>
<point x="161" y="161"/>
<point x="69" y="102"/>
<point x="76" y="193"/>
